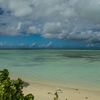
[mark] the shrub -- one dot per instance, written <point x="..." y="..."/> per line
<point x="12" y="89"/>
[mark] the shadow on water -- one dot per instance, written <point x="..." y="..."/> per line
<point x="88" y="57"/>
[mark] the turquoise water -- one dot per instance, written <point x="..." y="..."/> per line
<point x="61" y="66"/>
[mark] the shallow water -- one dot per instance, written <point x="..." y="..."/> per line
<point x="61" y="66"/>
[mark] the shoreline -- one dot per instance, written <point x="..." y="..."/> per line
<point x="70" y="85"/>
<point x="62" y="84"/>
<point x="45" y="91"/>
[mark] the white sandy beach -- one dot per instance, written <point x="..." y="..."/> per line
<point x="46" y="92"/>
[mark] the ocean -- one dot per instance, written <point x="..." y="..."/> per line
<point x="75" y="67"/>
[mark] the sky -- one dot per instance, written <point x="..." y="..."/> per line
<point x="50" y="23"/>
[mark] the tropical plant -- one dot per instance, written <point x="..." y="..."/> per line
<point x="12" y="89"/>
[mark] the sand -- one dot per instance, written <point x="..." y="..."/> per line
<point x="43" y="91"/>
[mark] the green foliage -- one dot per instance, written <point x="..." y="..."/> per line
<point x="56" y="96"/>
<point x="12" y="89"/>
<point x="29" y="96"/>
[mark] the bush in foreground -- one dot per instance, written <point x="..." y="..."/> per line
<point x="12" y="89"/>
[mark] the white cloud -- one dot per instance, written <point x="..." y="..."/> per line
<point x="89" y="9"/>
<point x="33" y="44"/>
<point x="73" y="19"/>
<point x="19" y="26"/>
<point x="33" y="30"/>
<point x="89" y="36"/>
<point x="19" y="7"/>
<point x="48" y="35"/>
<point x="52" y="28"/>
<point x="9" y="29"/>
<point x="49" y="44"/>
